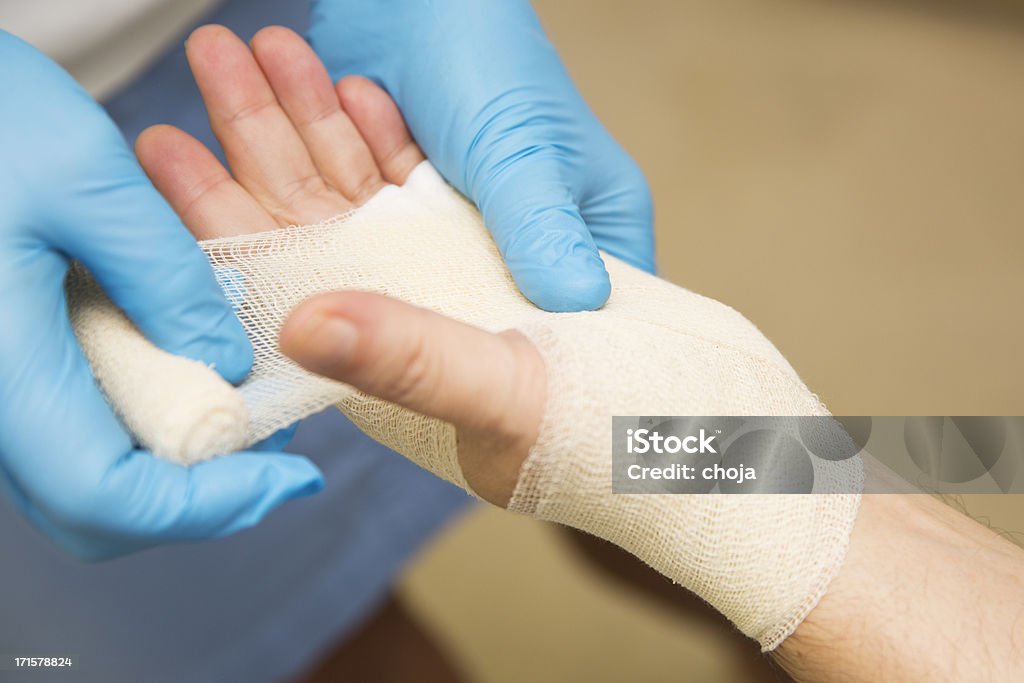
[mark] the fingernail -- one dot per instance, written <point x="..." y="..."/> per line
<point x="326" y="339"/>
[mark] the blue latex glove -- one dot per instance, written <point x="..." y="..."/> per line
<point x="71" y="189"/>
<point x="488" y="100"/>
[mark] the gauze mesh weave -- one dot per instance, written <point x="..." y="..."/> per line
<point x="422" y="243"/>
<point x="654" y="349"/>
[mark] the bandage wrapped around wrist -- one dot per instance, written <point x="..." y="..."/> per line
<point x="655" y="349"/>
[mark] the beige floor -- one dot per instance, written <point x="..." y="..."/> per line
<point x="850" y="175"/>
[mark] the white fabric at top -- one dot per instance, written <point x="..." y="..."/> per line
<point x="103" y="43"/>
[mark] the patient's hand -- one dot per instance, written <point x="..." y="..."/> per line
<point x="301" y="150"/>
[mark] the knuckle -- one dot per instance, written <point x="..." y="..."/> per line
<point x="327" y="112"/>
<point x="202" y="190"/>
<point x="249" y="110"/>
<point x="365" y="187"/>
<point x="637" y="190"/>
<point x="296" y="193"/>
<point x="509" y="157"/>
<point x="643" y="204"/>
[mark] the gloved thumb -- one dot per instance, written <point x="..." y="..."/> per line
<point x="78" y="191"/>
<point x="537" y="226"/>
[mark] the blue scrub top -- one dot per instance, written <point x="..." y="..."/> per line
<point x="264" y="604"/>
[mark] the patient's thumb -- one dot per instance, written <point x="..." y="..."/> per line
<point x="420" y="360"/>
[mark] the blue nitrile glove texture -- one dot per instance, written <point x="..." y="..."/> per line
<point x="71" y="189"/>
<point x="487" y="98"/>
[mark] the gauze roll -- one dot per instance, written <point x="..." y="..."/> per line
<point x="177" y="407"/>
<point x="654" y="349"/>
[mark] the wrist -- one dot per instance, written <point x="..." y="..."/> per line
<point x="902" y="590"/>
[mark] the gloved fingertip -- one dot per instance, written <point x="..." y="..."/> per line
<point x="576" y="281"/>
<point x="284" y="478"/>
<point x="311" y="487"/>
<point x="278" y="440"/>
<point x="96" y="553"/>
<point x="299" y="478"/>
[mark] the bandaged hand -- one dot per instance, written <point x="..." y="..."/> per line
<point x="302" y="151"/>
<point x="439" y="356"/>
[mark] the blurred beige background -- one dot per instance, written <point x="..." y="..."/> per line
<point x="850" y="176"/>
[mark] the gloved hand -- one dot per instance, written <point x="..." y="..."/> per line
<point x="71" y="189"/>
<point x="488" y="100"/>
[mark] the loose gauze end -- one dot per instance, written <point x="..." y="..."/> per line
<point x="654" y="349"/>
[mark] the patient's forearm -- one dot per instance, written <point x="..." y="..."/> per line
<point x="925" y="593"/>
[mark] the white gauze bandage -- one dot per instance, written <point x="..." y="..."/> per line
<point x="654" y="349"/>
